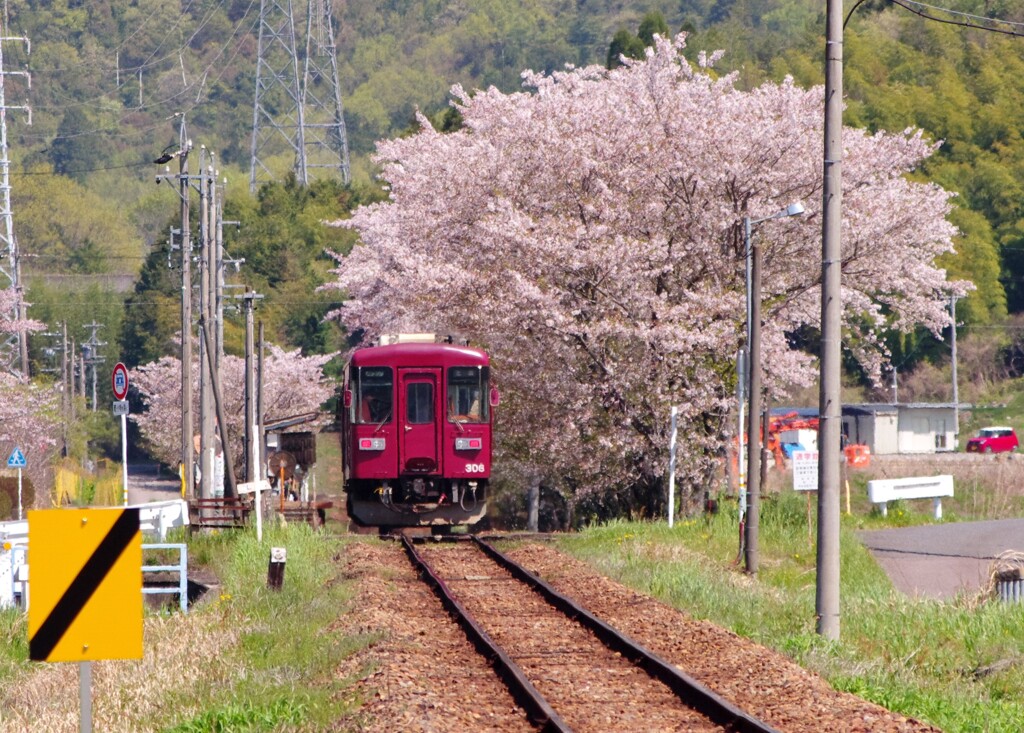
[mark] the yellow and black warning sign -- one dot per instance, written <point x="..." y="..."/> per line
<point x="86" y="585"/>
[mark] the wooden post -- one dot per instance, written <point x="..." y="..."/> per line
<point x="275" y="571"/>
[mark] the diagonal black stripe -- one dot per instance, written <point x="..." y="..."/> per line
<point x="84" y="585"/>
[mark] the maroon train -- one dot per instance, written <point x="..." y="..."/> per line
<point x="416" y="434"/>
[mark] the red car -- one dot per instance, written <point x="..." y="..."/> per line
<point x="993" y="440"/>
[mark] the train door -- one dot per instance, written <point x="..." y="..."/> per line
<point x="419" y="397"/>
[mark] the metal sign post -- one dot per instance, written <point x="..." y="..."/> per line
<point x="119" y="384"/>
<point x="86" y="591"/>
<point x="17" y="460"/>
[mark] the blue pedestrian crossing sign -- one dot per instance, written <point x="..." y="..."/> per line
<point x="17" y="459"/>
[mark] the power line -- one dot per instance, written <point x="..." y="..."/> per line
<point x="236" y="39"/>
<point x="960" y="18"/>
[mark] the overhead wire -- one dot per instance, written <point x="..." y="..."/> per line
<point x="959" y="18"/>
<point x="235" y="39"/>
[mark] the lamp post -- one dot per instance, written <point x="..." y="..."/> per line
<point x="753" y="255"/>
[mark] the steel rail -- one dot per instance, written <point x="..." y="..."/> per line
<point x="537" y="708"/>
<point x="690" y="691"/>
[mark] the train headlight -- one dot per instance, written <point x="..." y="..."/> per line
<point x="371" y="443"/>
<point x="469" y="443"/>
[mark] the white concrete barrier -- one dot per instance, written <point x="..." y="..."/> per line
<point x="160" y="516"/>
<point x="881" y="491"/>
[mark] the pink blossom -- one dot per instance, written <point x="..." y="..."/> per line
<point x="590" y="235"/>
<point x="292" y="385"/>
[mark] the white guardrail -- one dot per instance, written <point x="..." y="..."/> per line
<point x="881" y="491"/>
<point x="154" y="518"/>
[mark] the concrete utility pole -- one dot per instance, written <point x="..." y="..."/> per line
<point x="956" y="388"/>
<point x="91" y="357"/>
<point x="206" y="368"/>
<point x="751" y="548"/>
<point x="252" y="454"/>
<point x="67" y="393"/>
<point x="230" y="487"/>
<point x="184" y="193"/>
<point x="755" y="462"/>
<point x="187" y="450"/>
<point x="829" y="405"/>
<point x="260" y="425"/>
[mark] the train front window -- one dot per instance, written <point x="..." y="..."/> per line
<point x="419" y="400"/>
<point x="466" y="389"/>
<point x="373" y="388"/>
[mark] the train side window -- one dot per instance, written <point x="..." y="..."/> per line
<point x="466" y="389"/>
<point x="419" y="401"/>
<point x="373" y="389"/>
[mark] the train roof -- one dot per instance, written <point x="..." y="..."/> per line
<point x="419" y="354"/>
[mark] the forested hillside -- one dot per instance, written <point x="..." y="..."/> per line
<point x="108" y="75"/>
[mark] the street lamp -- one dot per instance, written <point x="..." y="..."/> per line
<point x="753" y="257"/>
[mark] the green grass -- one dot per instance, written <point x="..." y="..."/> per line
<point x="278" y="673"/>
<point x="286" y="658"/>
<point x="958" y="665"/>
<point x="13" y="643"/>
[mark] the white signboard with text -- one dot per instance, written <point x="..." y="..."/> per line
<point x="805" y="470"/>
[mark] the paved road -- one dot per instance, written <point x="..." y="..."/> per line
<point x="943" y="560"/>
<point x="147" y="483"/>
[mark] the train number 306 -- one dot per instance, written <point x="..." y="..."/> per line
<point x="475" y="468"/>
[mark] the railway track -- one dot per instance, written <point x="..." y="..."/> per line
<point x="569" y="670"/>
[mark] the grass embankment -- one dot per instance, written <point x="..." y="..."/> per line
<point x="244" y="659"/>
<point x="958" y="665"/>
<point x="250" y="659"/>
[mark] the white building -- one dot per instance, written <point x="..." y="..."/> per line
<point x="901" y="428"/>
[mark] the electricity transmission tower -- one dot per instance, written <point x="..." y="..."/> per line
<point x="298" y="101"/>
<point x="14" y="350"/>
<point x="325" y="140"/>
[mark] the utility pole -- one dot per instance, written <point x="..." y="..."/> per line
<point x="91" y="357"/>
<point x="260" y="425"/>
<point x="751" y="544"/>
<point x="67" y="393"/>
<point x="15" y="348"/>
<point x="206" y="404"/>
<point x="184" y="194"/>
<point x="252" y="455"/>
<point x="956" y="387"/>
<point x="829" y="404"/>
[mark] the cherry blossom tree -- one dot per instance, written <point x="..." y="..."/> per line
<point x="29" y="412"/>
<point x="293" y="384"/>
<point x="590" y="234"/>
<point x="30" y="419"/>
